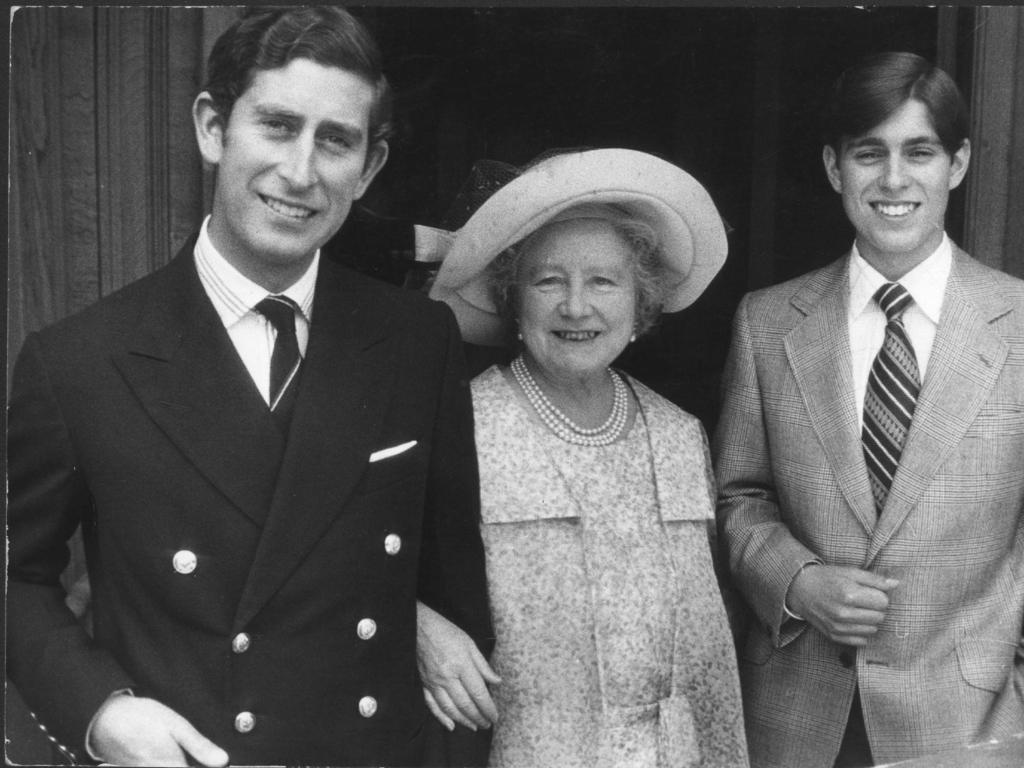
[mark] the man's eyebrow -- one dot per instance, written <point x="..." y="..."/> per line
<point x="864" y="141"/>
<point x="275" y="110"/>
<point x="874" y="141"/>
<point x="352" y="132"/>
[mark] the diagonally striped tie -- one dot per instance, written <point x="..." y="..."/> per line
<point x="284" y="362"/>
<point x="893" y="386"/>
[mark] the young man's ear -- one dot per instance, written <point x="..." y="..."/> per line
<point x="210" y="127"/>
<point x="376" y="156"/>
<point x="958" y="167"/>
<point x="828" y="156"/>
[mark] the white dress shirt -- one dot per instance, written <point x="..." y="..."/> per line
<point x="234" y="296"/>
<point x="926" y="283"/>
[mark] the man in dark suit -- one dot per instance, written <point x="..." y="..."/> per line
<point x="870" y="458"/>
<point x="270" y="456"/>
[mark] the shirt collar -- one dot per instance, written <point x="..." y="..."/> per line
<point x="926" y="282"/>
<point x="233" y="294"/>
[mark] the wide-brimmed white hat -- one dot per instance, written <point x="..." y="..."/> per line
<point x="690" y="232"/>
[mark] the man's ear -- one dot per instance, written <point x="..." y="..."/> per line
<point x="828" y="157"/>
<point x="958" y="167"/>
<point x="376" y="156"/>
<point x="210" y="126"/>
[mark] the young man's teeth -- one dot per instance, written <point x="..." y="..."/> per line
<point x="894" y="209"/>
<point x="578" y="335"/>
<point x="288" y="210"/>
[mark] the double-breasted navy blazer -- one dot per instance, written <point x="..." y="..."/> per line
<point x="234" y="568"/>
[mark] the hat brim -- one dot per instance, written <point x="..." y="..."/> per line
<point x="691" y="236"/>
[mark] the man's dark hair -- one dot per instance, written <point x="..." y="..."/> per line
<point x="265" y="39"/>
<point x="873" y="89"/>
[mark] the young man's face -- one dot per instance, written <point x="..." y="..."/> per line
<point x="290" y="160"/>
<point x="895" y="182"/>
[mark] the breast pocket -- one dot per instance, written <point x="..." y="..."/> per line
<point x="388" y="469"/>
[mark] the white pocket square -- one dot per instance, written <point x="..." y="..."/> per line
<point x="387" y="453"/>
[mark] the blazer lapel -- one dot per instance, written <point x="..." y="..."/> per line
<point x="819" y="354"/>
<point x="965" y="363"/>
<point x="346" y="383"/>
<point x="188" y="377"/>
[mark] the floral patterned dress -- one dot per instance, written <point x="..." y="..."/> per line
<point x="612" y="640"/>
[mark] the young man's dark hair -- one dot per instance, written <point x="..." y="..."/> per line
<point x="870" y="91"/>
<point x="268" y="39"/>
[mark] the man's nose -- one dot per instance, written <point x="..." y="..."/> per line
<point x="298" y="167"/>
<point x="895" y="174"/>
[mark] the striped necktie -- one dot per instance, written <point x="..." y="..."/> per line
<point x="893" y="387"/>
<point x="284" y="362"/>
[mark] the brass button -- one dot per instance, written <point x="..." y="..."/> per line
<point x="392" y="543"/>
<point x="366" y="629"/>
<point x="240" y="643"/>
<point x="245" y="722"/>
<point x="367" y="706"/>
<point x="184" y="561"/>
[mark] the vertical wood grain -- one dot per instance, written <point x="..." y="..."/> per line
<point x="995" y="191"/>
<point x="105" y="178"/>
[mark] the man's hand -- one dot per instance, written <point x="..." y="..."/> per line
<point x="454" y="673"/>
<point x="844" y="604"/>
<point x="131" y="730"/>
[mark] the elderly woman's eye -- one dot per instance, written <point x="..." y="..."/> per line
<point x="547" y="281"/>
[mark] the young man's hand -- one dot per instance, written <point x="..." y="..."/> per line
<point x="845" y="604"/>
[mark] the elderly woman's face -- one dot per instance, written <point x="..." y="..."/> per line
<point x="577" y="297"/>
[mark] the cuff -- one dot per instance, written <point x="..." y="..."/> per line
<point x="785" y="603"/>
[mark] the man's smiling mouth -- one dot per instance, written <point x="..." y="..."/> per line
<point x="291" y="211"/>
<point x="895" y="210"/>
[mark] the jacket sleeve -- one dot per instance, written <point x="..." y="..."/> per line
<point x="763" y="555"/>
<point x="63" y="675"/>
<point x="452" y="579"/>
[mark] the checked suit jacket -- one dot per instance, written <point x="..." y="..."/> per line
<point x="946" y="666"/>
<point x="137" y="420"/>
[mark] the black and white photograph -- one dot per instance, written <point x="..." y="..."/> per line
<point x="522" y="385"/>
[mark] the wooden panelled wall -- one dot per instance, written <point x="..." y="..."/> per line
<point x="106" y="182"/>
<point x="995" y="187"/>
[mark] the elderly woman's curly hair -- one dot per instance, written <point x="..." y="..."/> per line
<point x="648" y="270"/>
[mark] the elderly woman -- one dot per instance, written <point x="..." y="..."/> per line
<point x="613" y="647"/>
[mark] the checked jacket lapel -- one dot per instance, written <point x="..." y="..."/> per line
<point x="818" y="349"/>
<point x="966" y="361"/>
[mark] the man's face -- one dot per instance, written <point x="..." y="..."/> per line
<point x="290" y="160"/>
<point x="895" y="182"/>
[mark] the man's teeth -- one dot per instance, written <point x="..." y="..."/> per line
<point x="577" y="335"/>
<point x="894" y="209"/>
<point x="284" y="209"/>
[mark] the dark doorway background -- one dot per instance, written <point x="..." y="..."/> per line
<point x="730" y="94"/>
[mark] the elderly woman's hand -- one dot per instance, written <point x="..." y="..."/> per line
<point x="454" y="672"/>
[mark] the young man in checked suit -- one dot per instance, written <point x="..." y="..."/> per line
<point x="871" y="468"/>
<point x="265" y="489"/>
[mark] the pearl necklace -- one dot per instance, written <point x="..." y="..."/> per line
<point x="564" y="427"/>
